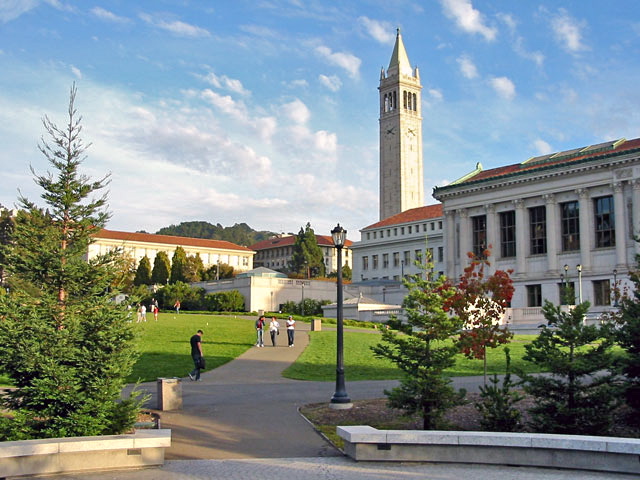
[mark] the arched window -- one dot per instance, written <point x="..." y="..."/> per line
<point x="415" y="103"/>
<point x="409" y="103"/>
<point x="404" y="95"/>
<point x="395" y="101"/>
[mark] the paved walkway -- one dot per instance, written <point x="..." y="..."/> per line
<point x="241" y="422"/>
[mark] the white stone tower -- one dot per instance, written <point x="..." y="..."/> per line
<point x="401" y="177"/>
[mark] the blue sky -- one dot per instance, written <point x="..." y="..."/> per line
<point x="266" y="111"/>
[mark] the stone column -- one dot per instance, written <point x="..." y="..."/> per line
<point x="552" y="233"/>
<point x="635" y="206"/>
<point x="521" y="238"/>
<point x="492" y="244"/>
<point x="465" y="238"/>
<point x="586" y="232"/>
<point x="450" y="243"/>
<point x="621" y="236"/>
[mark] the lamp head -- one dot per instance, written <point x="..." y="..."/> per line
<point x="339" y="236"/>
<point x="579" y="267"/>
<point x="566" y="267"/>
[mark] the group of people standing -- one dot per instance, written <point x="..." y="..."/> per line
<point x="274" y="330"/>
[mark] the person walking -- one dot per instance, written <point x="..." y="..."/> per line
<point x="177" y="306"/>
<point x="274" y="330"/>
<point x="196" y="355"/>
<point x="259" y="331"/>
<point x="291" y="326"/>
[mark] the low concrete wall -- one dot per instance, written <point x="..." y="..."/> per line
<point x="144" y="448"/>
<point x="608" y="454"/>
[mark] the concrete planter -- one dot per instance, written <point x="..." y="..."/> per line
<point x="143" y="448"/>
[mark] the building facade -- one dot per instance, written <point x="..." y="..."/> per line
<point x="137" y="245"/>
<point x="560" y="222"/>
<point x="276" y="252"/>
<point x="401" y="177"/>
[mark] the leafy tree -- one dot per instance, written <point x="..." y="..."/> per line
<point x="480" y="302"/>
<point x="211" y="273"/>
<point x="193" y="268"/>
<point x="422" y="349"/>
<point x="307" y="255"/>
<point x="577" y="397"/>
<point x="161" y="269"/>
<point x="497" y="403"/>
<point x="628" y="337"/>
<point x="66" y="347"/>
<point x="190" y="298"/>
<point x="178" y="263"/>
<point x="240" y="233"/>
<point x="143" y="272"/>
<point x="125" y="272"/>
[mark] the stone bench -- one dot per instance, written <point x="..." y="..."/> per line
<point x="607" y="454"/>
<point x="144" y="448"/>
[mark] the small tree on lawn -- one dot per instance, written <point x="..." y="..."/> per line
<point x="143" y="272"/>
<point x="161" y="269"/>
<point x="66" y="347"/>
<point x="480" y="302"/>
<point x="178" y="263"/>
<point x="193" y="269"/>
<point x="423" y="348"/>
<point x="578" y="396"/>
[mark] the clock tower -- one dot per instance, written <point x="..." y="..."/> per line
<point x="401" y="177"/>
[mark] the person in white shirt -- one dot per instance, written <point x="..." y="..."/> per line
<point x="274" y="330"/>
<point x="291" y="325"/>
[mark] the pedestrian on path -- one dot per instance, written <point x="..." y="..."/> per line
<point x="177" y="306"/>
<point x="196" y="355"/>
<point x="291" y="326"/>
<point x="259" y="327"/>
<point x="274" y="330"/>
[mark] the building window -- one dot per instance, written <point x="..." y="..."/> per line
<point x="407" y="257"/>
<point x="439" y="225"/>
<point x="538" y="227"/>
<point x="508" y="234"/>
<point x="396" y="259"/>
<point x="365" y="263"/>
<point x="374" y="258"/>
<point x="433" y="226"/>
<point x="381" y="233"/>
<point x="479" y="243"/>
<point x="440" y="254"/>
<point x="401" y="230"/>
<point x="409" y="229"/>
<point x="534" y="295"/>
<point x="418" y="255"/>
<point x="395" y="232"/>
<point x="375" y="235"/>
<point x="368" y="236"/>
<point x="424" y="227"/>
<point x="570" y="225"/>
<point x="604" y="222"/>
<point x="601" y="292"/>
<point x="385" y="260"/>
<point x="567" y="293"/>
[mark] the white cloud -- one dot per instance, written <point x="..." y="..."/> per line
<point x="298" y="83"/>
<point x="542" y="147"/>
<point x="503" y="87"/>
<point x="344" y="60"/>
<point x="380" y="31"/>
<point x="108" y="16"/>
<point x="297" y="111"/>
<point x="536" y="57"/>
<point x="225" y="82"/>
<point x="12" y="9"/>
<point x="468" y="18"/>
<point x="467" y="67"/>
<point x="568" y="32"/>
<point x="76" y="72"/>
<point x="326" y="141"/>
<point x="436" y="94"/>
<point x="176" y="27"/>
<point x="332" y="82"/>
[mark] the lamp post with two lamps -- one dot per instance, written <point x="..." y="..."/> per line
<point x="340" y="399"/>
<point x="615" y="288"/>
<point x="579" y="268"/>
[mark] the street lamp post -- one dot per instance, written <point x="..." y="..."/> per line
<point x="340" y="399"/>
<point x="579" y="268"/>
<point x="566" y="285"/>
<point x="615" y="287"/>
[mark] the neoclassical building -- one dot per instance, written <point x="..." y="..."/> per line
<point x="137" y="245"/>
<point x="557" y="220"/>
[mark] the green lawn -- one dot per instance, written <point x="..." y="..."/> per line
<point x="318" y="361"/>
<point x="165" y="350"/>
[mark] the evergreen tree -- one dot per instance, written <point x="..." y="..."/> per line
<point x="6" y="228"/>
<point x="143" y="272"/>
<point x="66" y="347"/>
<point x="161" y="269"/>
<point x="178" y="263"/>
<point x="307" y="258"/>
<point x="576" y="397"/>
<point x="193" y="269"/>
<point x="628" y="336"/>
<point x="423" y="350"/>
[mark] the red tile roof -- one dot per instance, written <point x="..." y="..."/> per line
<point x="168" y="239"/>
<point x="577" y="155"/>
<point x="413" y="215"/>
<point x="274" y="242"/>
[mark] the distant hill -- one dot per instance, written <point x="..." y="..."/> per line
<point x="240" y="233"/>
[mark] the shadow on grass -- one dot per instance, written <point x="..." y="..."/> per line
<point x="326" y="372"/>
<point x="154" y="365"/>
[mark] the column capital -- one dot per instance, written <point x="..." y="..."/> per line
<point x="490" y="208"/>
<point x="635" y="183"/>
<point x="463" y="213"/>
<point x="519" y="203"/>
<point x="583" y="193"/>
<point x="617" y="187"/>
<point x="450" y="213"/>
<point x="549" y="198"/>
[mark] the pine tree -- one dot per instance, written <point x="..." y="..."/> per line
<point x="143" y="272"/>
<point x="66" y="347"/>
<point x="628" y="336"/>
<point x="578" y="396"/>
<point x="161" y="269"/>
<point x="307" y="257"/>
<point x="6" y="228"/>
<point x="178" y="262"/>
<point x="423" y="350"/>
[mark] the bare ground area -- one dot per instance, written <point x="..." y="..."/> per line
<point x="465" y="417"/>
